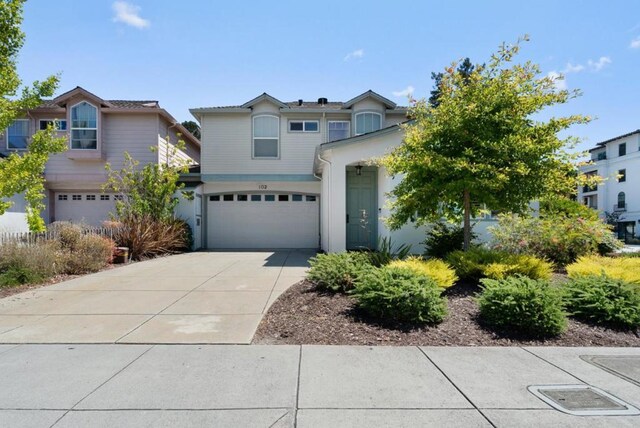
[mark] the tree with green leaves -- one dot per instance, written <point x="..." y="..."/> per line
<point x="22" y="173"/>
<point x="465" y="68"/>
<point x="150" y="190"/>
<point x="483" y="145"/>
<point x="192" y="127"/>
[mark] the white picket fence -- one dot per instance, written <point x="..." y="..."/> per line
<point x="31" y="238"/>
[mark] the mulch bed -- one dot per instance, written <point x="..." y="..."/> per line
<point x="304" y="315"/>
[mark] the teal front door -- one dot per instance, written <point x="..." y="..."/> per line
<point x="362" y="209"/>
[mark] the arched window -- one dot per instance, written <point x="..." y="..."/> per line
<point x="266" y="133"/>
<point x="368" y="122"/>
<point x="84" y="127"/>
<point x="621" y="201"/>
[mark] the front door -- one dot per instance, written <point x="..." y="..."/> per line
<point x="362" y="208"/>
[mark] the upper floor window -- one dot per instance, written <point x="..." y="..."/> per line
<point x="368" y="122"/>
<point x="590" y="188"/>
<point x="58" y="124"/>
<point x="84" y="126"/>
<point x="266" y="136"/>
<point x="622" y="149"/>
<point x="17" y="134"/>
<point x="622" y="175"/>
<point x="304" y="126"/>
<point x="338" y="130"/>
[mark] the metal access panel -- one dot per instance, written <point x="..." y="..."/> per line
<point x="625" y="366"/>
<point x="582" y="400"/>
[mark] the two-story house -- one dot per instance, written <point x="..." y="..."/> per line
<point x="98" y="131"/>
<point x="617" y="161"/>
<point x="299" y="174"/>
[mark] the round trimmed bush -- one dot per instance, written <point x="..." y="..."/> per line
<point x="604" y="300"/>
<point x="337" y="271"/>
<point x="523" y="305"/>
<point x="398" y="294"/>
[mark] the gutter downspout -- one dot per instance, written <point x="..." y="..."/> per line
<point x="328" y="201"/>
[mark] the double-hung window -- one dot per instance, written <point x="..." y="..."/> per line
<point x="368" y="122"/>
<point x="338" y="130"/>
<point x="17" y="134"/>
<point x="84" y="127"/>
<point x="266" y="136"/>
<point x="304" y="126"/>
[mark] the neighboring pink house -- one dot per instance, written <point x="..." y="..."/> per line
<point x="99" y="131"/>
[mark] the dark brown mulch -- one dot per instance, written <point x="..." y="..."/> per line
<point x="304" y="315"/>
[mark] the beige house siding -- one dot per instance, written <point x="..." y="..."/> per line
<point x="227" y="139"/>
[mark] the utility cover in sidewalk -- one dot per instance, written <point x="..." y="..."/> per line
<point x="582" y="400"/>
<point x="624" y="366"/>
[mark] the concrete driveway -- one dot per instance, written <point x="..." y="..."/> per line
<point x="207" y="297"/>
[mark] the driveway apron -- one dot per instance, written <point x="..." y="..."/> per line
<point x="202" y="297"/>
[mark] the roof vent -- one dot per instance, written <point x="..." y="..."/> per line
<point x="299" y="102"/>
<point x="322" y="101"/>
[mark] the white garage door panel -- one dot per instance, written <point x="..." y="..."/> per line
<point x="83" y="209"/>
<point x="251" y="224"/>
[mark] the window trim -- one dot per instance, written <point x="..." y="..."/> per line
<point x="355" y="128"/>
<point x="89" y="129"/>
<point x="623" y="199"/>
<point x="253" y="138"/>
<point x="348" y="122"/>
<point x="304" y="126"/>
<point x="620" y="146"/>
<point x="53" y="120"/>
<point x="622" y="175"/>
<point x="20" y="149"/>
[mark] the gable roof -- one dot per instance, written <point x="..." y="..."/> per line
<point x="264" y="97"/>
<point x="370" y="94"/>
<point x="117" y="106"/>
<point x="61" y="100"/>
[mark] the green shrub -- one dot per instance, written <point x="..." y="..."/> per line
<point x="91" y="253"/>
<point x="22" y="264"/>
<point x="18" y="275"/>
<point x="435" y="269"/>
<point x="386" y="252"/>
<point x="604" y="300"/>
<point x="337" y="271"/>
<point x="444" y="238"/>
<point x="522" y="305"/>
<point x="558" y="238"/>
<point x="623" y="268"/>
<point x="559" y="206"/>
<point x="480" y="262"/>
<point x="399" y="294"/>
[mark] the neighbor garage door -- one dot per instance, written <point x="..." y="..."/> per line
<point x="83" y="207"/>
<point x="263" y="221"/>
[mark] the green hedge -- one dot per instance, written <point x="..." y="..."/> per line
<point x="523" y="305"/>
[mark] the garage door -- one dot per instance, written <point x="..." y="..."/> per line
<point x="83" y="207"/>
<point x="263" y="221"/>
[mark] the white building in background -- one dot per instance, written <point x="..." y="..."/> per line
<point x="617" y="161"/>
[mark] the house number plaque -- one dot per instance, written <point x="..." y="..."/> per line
<point x="262" y="187"/>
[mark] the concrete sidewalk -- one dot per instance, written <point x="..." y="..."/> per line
<point x="203" y="297"/>
<point x="303" y="386"/>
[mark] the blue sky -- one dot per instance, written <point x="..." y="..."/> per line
<point x="207" y="53"/>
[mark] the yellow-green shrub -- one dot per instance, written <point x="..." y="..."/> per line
<point x="520" y="264"/>
<point x="623" y="268"/>
<point x="436" y="269"/>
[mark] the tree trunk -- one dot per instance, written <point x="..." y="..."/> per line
<point x="466" y="201"/>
